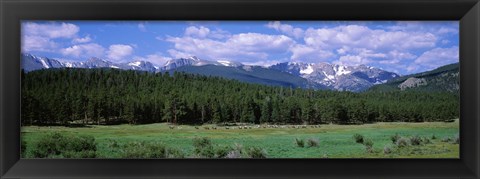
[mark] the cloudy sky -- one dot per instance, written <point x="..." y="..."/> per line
<point x="399" y="46"/>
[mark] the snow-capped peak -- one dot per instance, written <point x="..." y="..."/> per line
<point x="341" y="70"/>
<point x="137" y="63"/>
<point x="224" y="62"/>
<point x="308" y="70"/>
<point x="337" y="76"/>
<point x="194" y="58"/>
<point x="44" y="63"/>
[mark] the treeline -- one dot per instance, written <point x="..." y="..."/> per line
<point x="107" y="96"/>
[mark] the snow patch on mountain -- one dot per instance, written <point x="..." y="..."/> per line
<point x="337" y="77"/>
<point x="44" y="63"/>
<point x="308" y="70"/>
<point x="135" y="63"/>
<point x="319" y="75"/>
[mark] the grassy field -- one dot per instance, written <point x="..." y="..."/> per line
<point x="335" y="141"/>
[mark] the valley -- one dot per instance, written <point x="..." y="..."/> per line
<point x="333" y="141"/>
<point x="230" y="110"/>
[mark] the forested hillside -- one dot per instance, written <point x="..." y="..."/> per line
<point x="444" y="78"/>
<point x="249" y="74"/>
<point x="105" y="96"/>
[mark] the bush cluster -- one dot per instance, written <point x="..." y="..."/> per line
<point x="416" y="140"/>
<point x="256" y="152"/>
<point x="300" y="142"/>
<point x="312" y="142"/>
<point x="456" y="139"/>
<point x="57" y="145"/>
<point x="204" y="148"/>
<point x="387" y="150"/>
<point x="426" y="140"/>
<point x="402" y="142"/>
<point x="395" y="138"/>
<point x="368" y="143"/>
<point x="142" y="150"/>
<point x="23" y="148"/>
<point x="358" y="138"/>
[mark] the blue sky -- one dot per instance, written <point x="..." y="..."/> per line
<point x="403" y="47"/>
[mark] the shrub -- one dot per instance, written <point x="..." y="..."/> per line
<point x="201" y="142"/>
<point x="23" y="148"/>
<point x="402" y="142"/>
<point x="174" y="153"/>
<point x="434" y="137"/>
<point x="312" y="142"/>
<point x="113" y="143"/>
<point x="144" y="150"/>
<point x="234" y="154"/>
<point x="139" y="150"/>
<point x="81" y="143"/>
<point x="238" y="147"/>
<point x="368" y="143"/>
<point x="387" y="150"/>
<point x="456" y="139"/>
<point x="415" y="140"/>
<point x="256" y="152"/>
<point x="395" y="138"/>
<point x="57" y="145"/>
<point x="358" y="138"/>
<point x="222" y="152"/>
<point x="325" y="156"/>
<point x="80" y="154"/>
<point x="426" y="140"/>
<point x="300" y="142"/>
<point x="203" y="147"/>
<point x="446" y="139"/>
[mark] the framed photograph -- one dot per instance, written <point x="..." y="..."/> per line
<point x="229" y="89"/>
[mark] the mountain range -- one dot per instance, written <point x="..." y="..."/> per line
<point x="444" y="78"/>
<point x="294" y="74"/>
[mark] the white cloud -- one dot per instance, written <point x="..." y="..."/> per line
<point x="412" y="68"/>
<point x="142" y="27"/>
<point x="82" y="40"/>
<point x="260" y="42"/>
<point x="343" y="50"/>
<point x="119" y="51"/>
<point x="287" y="29"/>
<point x="396" y="57"/>
<point x="219" y="34"/>
<point x="352" y="60"/>
<point x="446" y="30"/>
<point x="40" y="37"/>
<point x="51" y="30"/>
<point x="356" y="36"/>
<point x="177" y="54"/>
<point x="394" y="47"/>
<point x="242" y="47"/>
<point x="369" y="53"/>
<point x="426" y="26"/>
<point x="200" y="32"/>
<point x="84" y="50"/>
<point x="438" y="56"/>
<point x="37" y="43"/>
<point x="309" y="54"/>
<point x="204" y="32"/>
<point x="264" y="63"/>
<point x="361" y="56"/>
<point x="434" y="58"/>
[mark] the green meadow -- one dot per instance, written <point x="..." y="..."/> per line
<point x="333" y="141"/>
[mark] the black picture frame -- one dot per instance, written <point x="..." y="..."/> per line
<point x="13" y="11"/>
